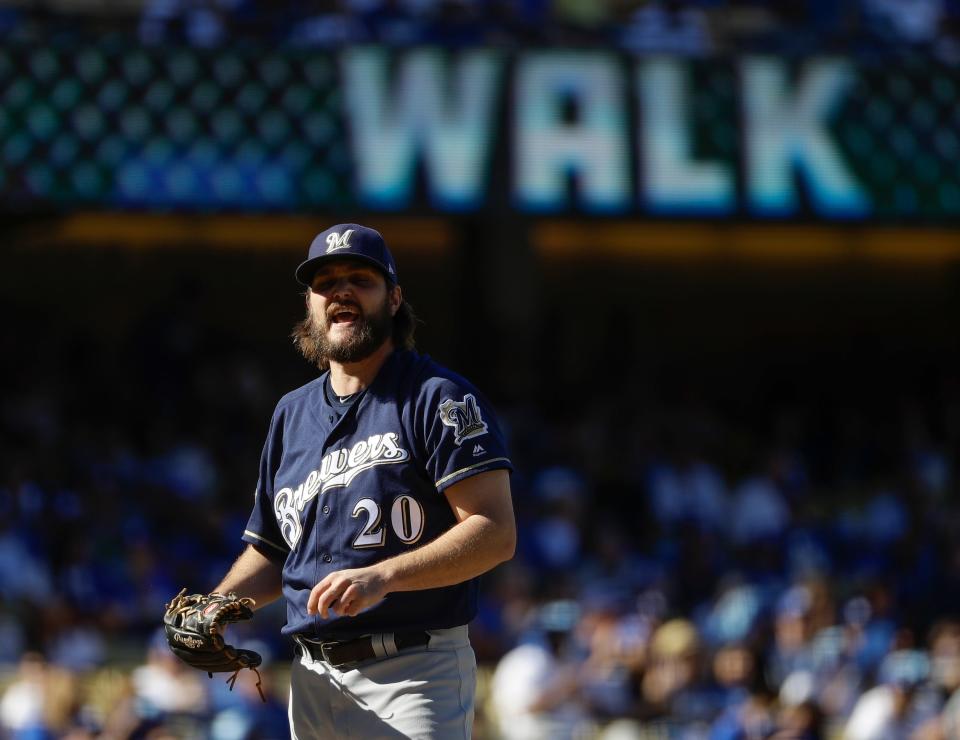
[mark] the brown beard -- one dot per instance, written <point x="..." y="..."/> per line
<point x="310" y="337"/>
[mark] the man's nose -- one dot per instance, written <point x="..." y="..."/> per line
<point x="341" y="287"/>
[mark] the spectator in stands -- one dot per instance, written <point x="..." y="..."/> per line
<point x="667" y="27"/>
<point x="242" y="714"/>
<point x="911" y="21"/>
<point x="792" y="649"/>
<point x="616" y="639"/>
<point x="165" y="686"/>
<point x="746" y="703"/>
<point x="673" y="681"/>
<point x="555" y="540"/>
<point x="41" y="701"/>
<point x="759" y="509"/>
<point x="682" y="488"/>
<point x="899" y="705"/>
<point x="535" y="690"/>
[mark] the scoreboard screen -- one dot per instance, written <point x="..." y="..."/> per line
<point x="108" y="124"/>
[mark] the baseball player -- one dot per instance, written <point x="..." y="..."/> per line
<point x="383" y="494"/>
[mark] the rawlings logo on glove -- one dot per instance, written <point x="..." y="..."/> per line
<point x="190" y="642"/>
<point x="194" y="625"/>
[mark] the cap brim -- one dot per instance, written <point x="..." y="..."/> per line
<point x="308" y="268"/>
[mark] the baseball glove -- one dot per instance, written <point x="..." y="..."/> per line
<point x="194" y="625"/>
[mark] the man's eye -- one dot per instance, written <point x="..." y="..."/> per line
<point x="322" y="286"/>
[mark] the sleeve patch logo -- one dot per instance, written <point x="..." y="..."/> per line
<point x="464" y="416"/>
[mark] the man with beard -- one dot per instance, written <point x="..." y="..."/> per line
<point x="383" y="494"/>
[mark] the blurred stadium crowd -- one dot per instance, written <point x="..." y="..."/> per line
<point x="679" y="571"/>
<point x="688" y="27"/>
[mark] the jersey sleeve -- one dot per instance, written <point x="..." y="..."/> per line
<point x="462" y="436"/>
<point x="262" y="530"/>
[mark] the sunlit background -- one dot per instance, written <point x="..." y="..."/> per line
<point x="704" y="257"/>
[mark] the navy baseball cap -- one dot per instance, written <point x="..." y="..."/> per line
<point x="348" y="240"/>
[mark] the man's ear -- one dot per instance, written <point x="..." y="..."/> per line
<point x="396" y="298"/>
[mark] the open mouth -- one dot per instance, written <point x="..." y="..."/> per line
<point x="344" y="316"/>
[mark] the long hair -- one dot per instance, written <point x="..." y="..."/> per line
<point x="404" y="326"/>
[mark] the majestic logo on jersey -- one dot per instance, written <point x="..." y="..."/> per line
<point x="337" y="241"/>
<point x="337" y="469"/>
<point x="464" y="417"/>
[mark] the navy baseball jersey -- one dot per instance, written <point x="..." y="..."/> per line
<point x="348" y="485"/>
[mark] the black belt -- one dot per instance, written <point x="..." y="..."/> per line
<point x="360" y="649"/>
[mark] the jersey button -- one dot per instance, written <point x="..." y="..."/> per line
<point x="326" y="509"/>
<point x="327" y="558"/>
<point x="330" y="418"/>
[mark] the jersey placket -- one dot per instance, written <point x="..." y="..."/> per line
<point x="322" y="558"/>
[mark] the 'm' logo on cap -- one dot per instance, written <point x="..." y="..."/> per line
<point x="337" y="241"/>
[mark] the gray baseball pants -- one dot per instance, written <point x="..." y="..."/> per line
<point x="425" y="693"/>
